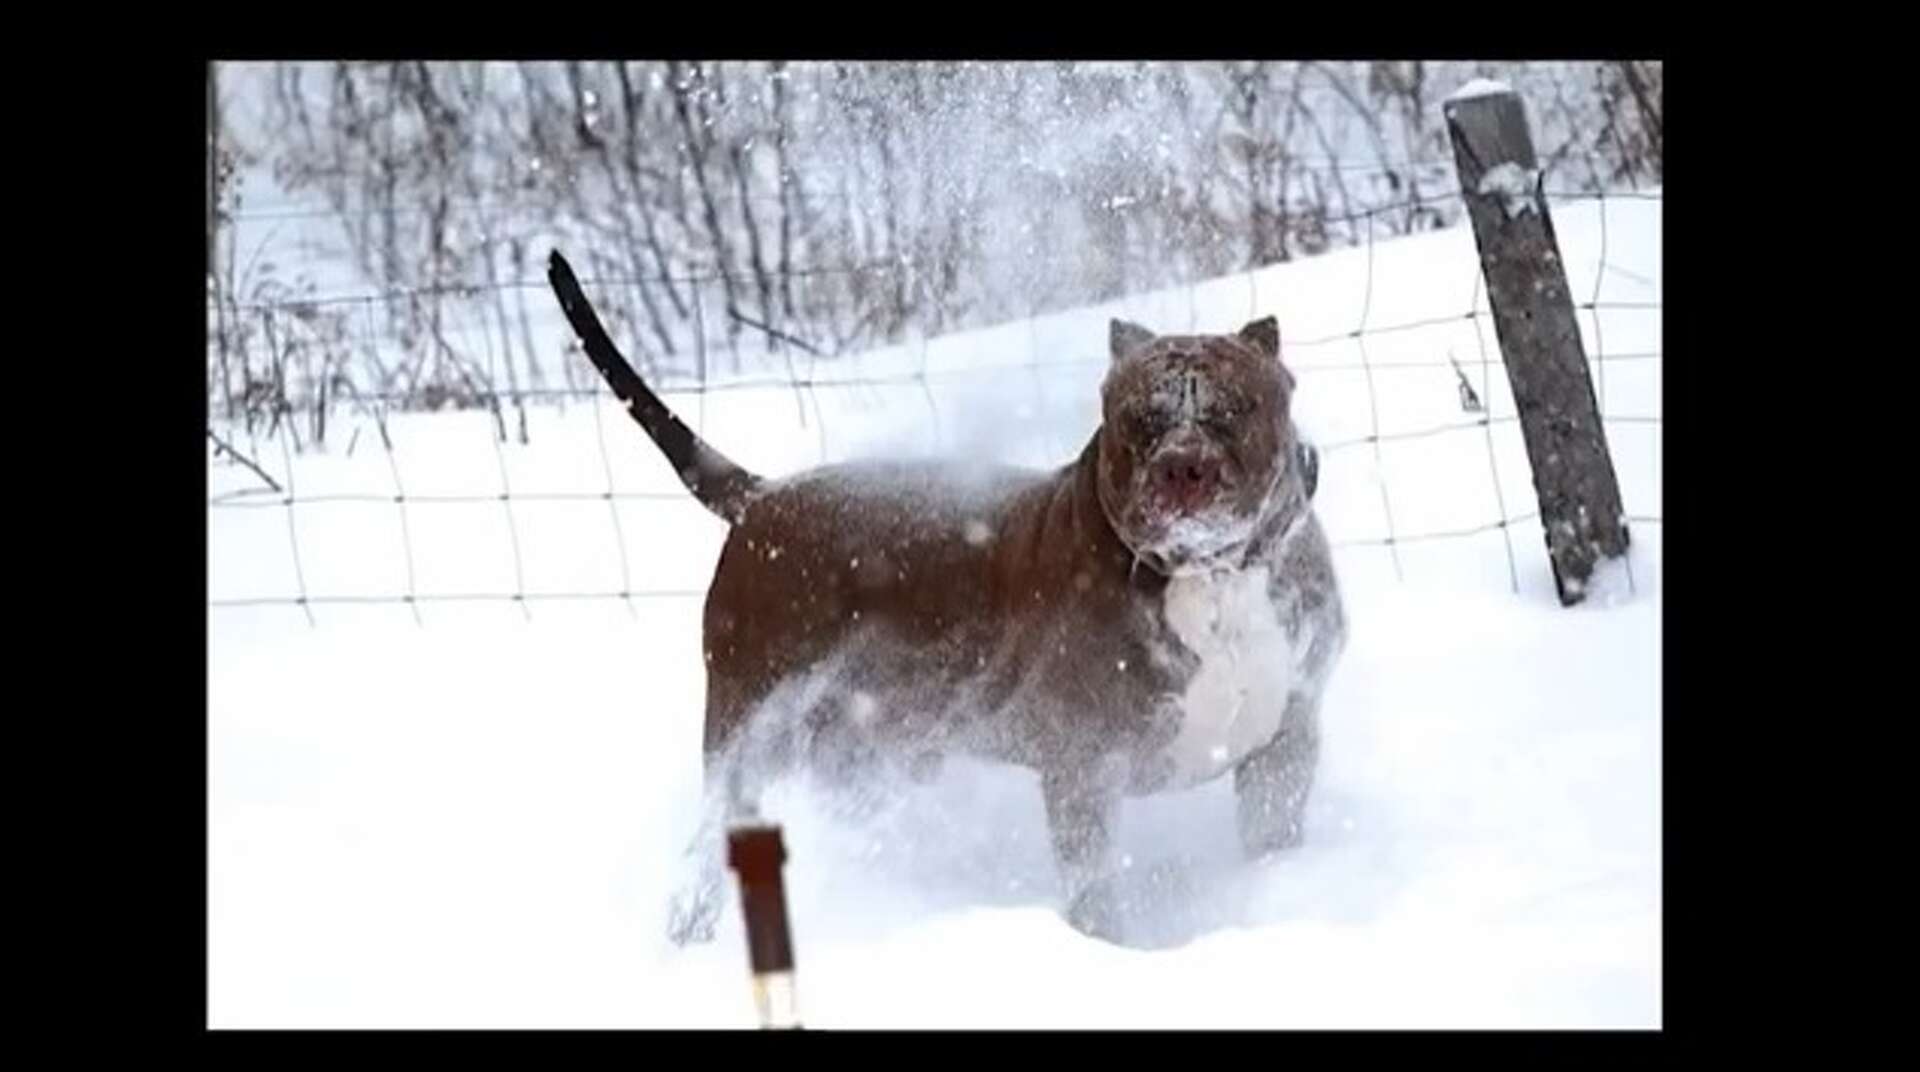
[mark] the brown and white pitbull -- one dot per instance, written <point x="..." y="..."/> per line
<point x="1153" y="615"/>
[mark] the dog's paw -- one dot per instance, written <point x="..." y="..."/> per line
<point x="1265" y="845"/>
<point x="1097" y="913"/>
<point x="1164" y="906"/>
<point x="1265" y="834"/>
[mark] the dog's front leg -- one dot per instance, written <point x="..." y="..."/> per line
<point x="1082" y="808"/>
<point x="1271" y="785"/>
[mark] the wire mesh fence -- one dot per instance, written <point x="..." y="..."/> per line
<point x="282" y="458"/>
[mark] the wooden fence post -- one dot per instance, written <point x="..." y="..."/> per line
<point x="1533" y="317"/>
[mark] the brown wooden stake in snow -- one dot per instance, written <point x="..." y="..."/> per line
<point x="756" y="854"/>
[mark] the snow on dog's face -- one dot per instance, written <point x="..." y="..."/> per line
<point x="1195" y="439"/>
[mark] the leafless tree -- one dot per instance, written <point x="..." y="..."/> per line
<point x="835" y="206"/>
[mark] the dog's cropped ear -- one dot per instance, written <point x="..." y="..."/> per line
<point x="1264" y="335"/>
<point x="1125" y="338"/>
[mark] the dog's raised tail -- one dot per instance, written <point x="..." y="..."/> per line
<point x="721" y="486"/>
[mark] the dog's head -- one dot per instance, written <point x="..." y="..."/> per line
<point x="1195" y="442"/>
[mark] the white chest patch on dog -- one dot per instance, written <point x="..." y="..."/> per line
<point x="1234" y="701"/>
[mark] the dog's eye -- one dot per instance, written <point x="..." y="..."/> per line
<point x="1149" y="423"/>
<point x="1232" y="411"/>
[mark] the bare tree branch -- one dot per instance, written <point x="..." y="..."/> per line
<point x="221" y="445"/>
<point x="773" y="332"/>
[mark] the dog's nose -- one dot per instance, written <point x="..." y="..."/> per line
<point x="1186" y="478"/>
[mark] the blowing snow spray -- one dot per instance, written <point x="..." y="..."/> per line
<point x="756" y="853"/>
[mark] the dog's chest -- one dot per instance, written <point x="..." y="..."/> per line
<point x="1243" y="668"/>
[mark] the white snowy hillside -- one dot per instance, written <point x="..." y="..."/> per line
<point x="469" y="812"/>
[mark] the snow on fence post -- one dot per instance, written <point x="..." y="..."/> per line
<point x="1533" y="317"/>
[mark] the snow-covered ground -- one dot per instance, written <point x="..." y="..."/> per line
<point x="475" y="820"/>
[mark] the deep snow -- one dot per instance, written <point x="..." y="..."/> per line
<point x="475" y="821"/>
